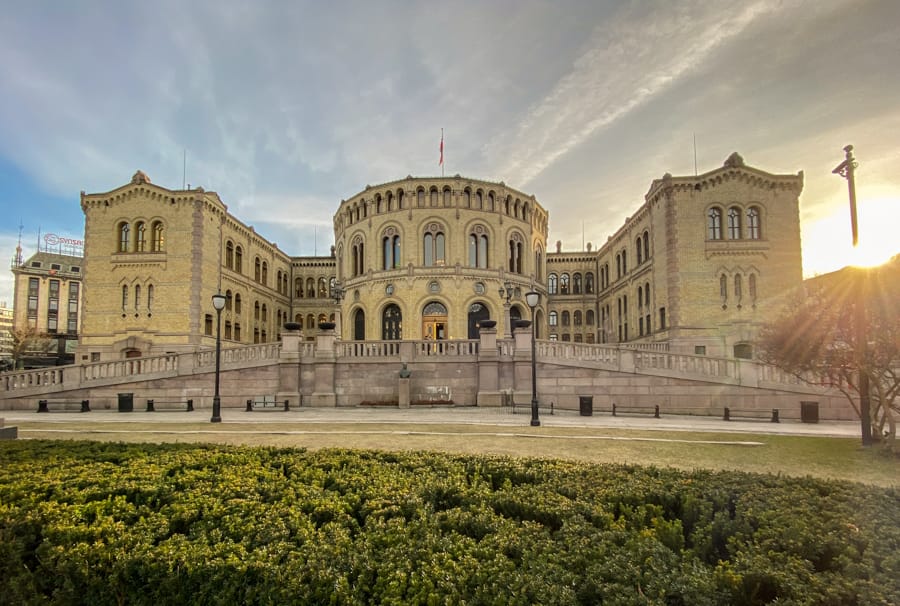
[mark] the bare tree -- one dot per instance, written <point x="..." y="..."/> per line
<point x="843" y="331"/>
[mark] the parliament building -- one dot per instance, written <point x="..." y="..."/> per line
<point x="698" y="267"/>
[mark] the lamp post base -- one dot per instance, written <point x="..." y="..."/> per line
<point x="535" y="421"/>
<point x="217" y="411"/>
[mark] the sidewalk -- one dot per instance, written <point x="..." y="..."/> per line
<point x="441" y="415"/>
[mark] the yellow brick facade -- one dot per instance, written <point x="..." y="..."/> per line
<point x="432" y="258"/>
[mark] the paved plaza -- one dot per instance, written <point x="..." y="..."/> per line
<point x="460" y="415"/>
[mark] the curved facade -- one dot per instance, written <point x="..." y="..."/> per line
<point x="427" y="258"/>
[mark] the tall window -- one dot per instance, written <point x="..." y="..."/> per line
<point x="53" y="306"/>
<point x="420" y="198"/>
<point x="124" y="297"/>
<point x="737" y="286"/>
<point x="576" y="318"/>
<point x="357" y="256"/>
<point x="207" y="324"/>
<point x="238" y="261"/>
<point x="137" y="297"/>
<point x="714" y="224"/>
<point x="576" y="284"/>
<point x="553" y="318"/>
<point x="391" y="323"/>
<point x="141" y="243"/>
<point x="433" y="245"/>
<point x="159" y="237"/>
<point x="391" y="248"/>
<point x="753" y="228"/>
<point x="734" y="223"/>
<point x="237" y="304"/>
<point x="478" y="248"/>
<point x="229" y="254"/>
<point x="723" y="287"/>
<point x="752" y="285"/>
<point x="265" y="273"/>
<point x="124" y="230"/>
<point x="640" y="250"/>
<point x="565" y="318"/>
<point x="257" y="269"/>
<point x="447" y="200"/>
<point x="515" y="254"/>
<point x="434" y="196"/>
<point x="552" y="284"/>
<point x="589" y="283"/>
<point x="564" y="284"/>
<point x="72" y="315"/>
<point x="149" y="298"/>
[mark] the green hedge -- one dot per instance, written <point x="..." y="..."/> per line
<point x="95" y="523"/>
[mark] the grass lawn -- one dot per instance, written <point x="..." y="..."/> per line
<point x="823" y="457"/>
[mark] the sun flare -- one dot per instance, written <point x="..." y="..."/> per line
<point x="828" y="245"/>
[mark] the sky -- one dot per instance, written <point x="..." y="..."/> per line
<point x="287" y="107"/>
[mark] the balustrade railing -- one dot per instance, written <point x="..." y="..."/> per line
<point x="129" y="367"/>
<point x="687" y="364"/>
<point x="236" y="355"/>
<point x="446" y="348"/>
<point x="24" y="379"/>
<point x="368" y="349"/>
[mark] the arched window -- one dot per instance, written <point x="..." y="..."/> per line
<point x="124" y="297"/>
<point x="389" y="197"/>
<point x="552" y="284"/>
<point x="378" y="208"/>
<point x="467" y="198"/>
<point x="359" y="325"/>
<point x="737" y="286"/>
<point x="391" y="248"/>
<point x="647" y="295"/>
<point x="420" y="198"/>
<point x="310" y="321"/>
<point x="490" y="202"/>
<point x="589" y="283"/>
<point x="237" y="303"/>
<point x="564" y="284"/>
<point x="256" y="310"/>
<point x="357" y="256"/>
<point x="589" y="317"/>
<point x="124" y="231"/>
<point x="714" y="224"/>
<point x="159" y="237"/>
<point x="229" y="300"/>
<point x="640" y="297"/>
<point x="434" y="196"/>
<point x="141" y="237"/>
<point x="257" y="268"/>
<point x="553" y="318"/>
<point x="565" y="318"/>
<point x="298" y="287"/>
<point x="640" y="251"/>
<point x="265" y="273"/>
<point x="752" y="286"/>
<point x="479" y="200"/>
<point x="477" y="313"/>
<point x="743" y="351"/>
<point x="265" y="313"/>
<point x="137" y="296"/>
<point x="734" y="223"/>
<point x="754" y="232"/>
<point x="207" y="324"/>
<point x="646" y="239"/>
<point x="478" y="247"/>
<point x="238" y="259"/>
<point x="433" y="246"/>
<point x="447" y="200"/>
<point x="323" y="289"/>
<point x="310" y="288"/>
<point x="229" y="254"/>
<point x="539" y="264"/>
<point x="576" y="317"/>
<point x="576" y="284"/>
<point x="723" y="287"/>
<point x="391" y="323"/>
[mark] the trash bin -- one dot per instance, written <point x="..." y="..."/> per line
<point x="126" y="402"/>
<point x="809" y="412"/>
<point x="586" y="405"/>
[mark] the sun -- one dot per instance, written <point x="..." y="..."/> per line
<point x="827" y="241"/>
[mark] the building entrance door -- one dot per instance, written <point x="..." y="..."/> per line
<point x="434" y="322"/>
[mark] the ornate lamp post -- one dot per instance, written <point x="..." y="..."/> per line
<point x="508" y="291"/>
<point x="337" y="293"/>
<point x="533" y="298"/>
<point x="846" y="169"/>
<point x="218" y="301"/>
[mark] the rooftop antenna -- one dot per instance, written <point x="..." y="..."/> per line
<point x="695" y="154"/>
<point x="19" y="260"/>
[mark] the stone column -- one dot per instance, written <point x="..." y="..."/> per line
<point x="325" y="362"/>
<point x="289" y="366"/>
<point x="488" y="367"/>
